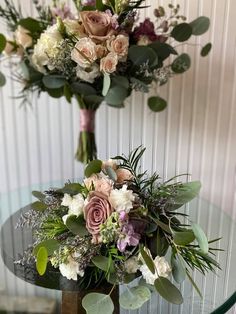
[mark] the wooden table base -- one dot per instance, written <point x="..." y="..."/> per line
<point x="72" y="301"/>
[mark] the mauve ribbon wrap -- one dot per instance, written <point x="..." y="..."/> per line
<point x="87" y="120"/>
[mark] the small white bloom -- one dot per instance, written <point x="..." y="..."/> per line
<point x="88" y="74"/>
<point x="163" y="269"/>
<point x="67" y="199"/>
<point x="122" y="200"/>
<point x="76" y="205"/>
<point x="132" y="265"/>
<point x="70" y="270"/>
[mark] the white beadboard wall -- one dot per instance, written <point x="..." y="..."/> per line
<point x="196" y="135"/>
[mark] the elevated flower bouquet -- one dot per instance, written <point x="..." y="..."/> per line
<point x="100" y="53"/>
<point x="120" y="226"/>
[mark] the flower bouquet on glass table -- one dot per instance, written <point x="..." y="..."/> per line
<point x="117" y="227"/>
<point x="100" y="53"/>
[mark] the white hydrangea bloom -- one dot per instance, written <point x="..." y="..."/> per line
<point x="163" y="269"/>
<point x="122" y="199"/>
<point x="70" y="270"/>
<point x="76" y="205"/>
<point x="132" y="265"/>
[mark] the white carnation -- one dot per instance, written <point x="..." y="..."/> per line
<point x="46" y="47"/>
<point x="122" y="200"/>
<point x="132" y="265"/>
<point x="163" y="269"/>
<point x="70" y="270"/>
<point x="88" y="74"/>
<point x="76" y="205"/>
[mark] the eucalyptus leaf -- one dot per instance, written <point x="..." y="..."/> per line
<point x="42" y="260"/>
<point x="148" y="260"/>
<point x="135" y="297"/>
<point x="200" y="25"/>
<point x="178" y="268"/>
<point x="72" y="188"/>
<point x="201" y="238"/>
<point x="76" y="225"/>
<point x="38" y="206"/>
<point x="68" y="93"/>
<point x="120" y="80"/>
<point x="162" y="50"/>
<point x="31" y="24"/>
<point x="54" y="81"/>
<point x="55" y="92"/>
<point x="183" y="237"/>
<point x="3" y="42"/>
<point x="39" y="195"/>
<point x="97" y="303"/>
<point x="156" y="103"/>
<point x="168" y="291"/>
<point x="206" y="49"/>
<point x="83" y="89"/>
<point x="140" y="55"/>
<point x="95" y="166"/>
<point x="186" y="192"/>
<point x="182" y="32"/>
<point x="51" y="246"/>
<point x="106" y="83"/>
<point x="103" y="263"/>
<point x="2" y="79"/>
<point x="116" y="95"/>
<point x="111" y="173"/>
<point x="181" y="64"/>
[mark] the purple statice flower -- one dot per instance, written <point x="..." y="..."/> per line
<point x="146" y="28"/>
<point x="127" y="237"/>
<point x="63" y="12"/>
<point x="122" y="216"/>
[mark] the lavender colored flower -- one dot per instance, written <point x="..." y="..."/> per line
<point x="88" y="3"/>
<point x="63" y="12"/>
<point x="147" y="29"/>
<point x="127" y="237"/>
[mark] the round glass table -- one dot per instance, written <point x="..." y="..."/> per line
<point x="215" y="288"/>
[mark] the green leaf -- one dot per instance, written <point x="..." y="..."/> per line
<point x="200" y="25"/>
<point x="51" y="245"/>
<point x="156" y="103"/>
<point x="159" y="244"/>
<point x="39" y="195"/>
<point x="194" y="284"/>
<point x="121" y="81"/>
<point x="3" y="42"/>
<point x="116" y="95"/>
<point x="54" y="81"/>
<point x="2" y="79"/>
<point x="42" y="260"/>
<point x="55" y="93"/>
<point x="68" y="93"/>
<point x="186" y="192"/>
<point x="97" y="303"/>
<point x="72" y="189"/>
<point x="135" y="297"/>
<point x="178" y="268"/>
<point x="76" y="225"/>
<point x="201" y="238"/>
<point x="93" y="100"/>
<point x="206" y="49"/>
<point x="148" y="260"/>
<point x="95" y="166"/>
<point x="31" y="25"/>
<point x="111" y="173"/>
<point x="183" y="237"/>
<point x="162" y="50"/>
<point x="143" y="54"/>
<point x="168" y="291"/>
<point x="182" y="32"/>
<point x="100" y="6"/>
<point x="106" y="83"/>
<point x="103" y="263"/>
<point x="83" y="89"/>
<point x="181" y="64"/>
<point x="38" y="206"/>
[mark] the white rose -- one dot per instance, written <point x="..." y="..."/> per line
<point x="84" y="52"/>
<point x="108" y="64"/>
<point x="163" y="269"/>
<point x="119" y="45"/>
<point x="67" y="199"/>
<point x="132" y="265"/>
<point x="46" y="47"/>
<point x="23" y="37"/>
<point x="70" y="270"/>
<point x="88" y="74"/>
<point x="73" y="27"/>
<point x="122" y="200"/>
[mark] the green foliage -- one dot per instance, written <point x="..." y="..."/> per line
<point x="39" y="195"/>
<point x="76" y="225"/>
<point x="140" y="55"/>
<point x="111" y="173"/>
<point x="50" y="245"/>
<point x="183" y="237"/>
<point x="42" y="260"/>
<point x="135" y="297"/>
<point x="182" y="32"/>
<point x="200" y="25"/>
<point x="38" y="206"/>
<point x="32" y="25"/>
<point x="121" y="81"/>
<point x="106" y="83"/>
<point x="2" y="79"/>
<point x="194" y="285"/>
<point x="148" y="260"/>
<point x="156" y="103"/>
<point x="3" y="42"/>
<point x="162" y="50"/>
<point x="104" y="263"/>
<point x="95" y="166"/>
<point x="181" y="64"/>
<point x="54" y="81"/>
<point x="168" y="291"/>
<point x="72" y="189"/>
<point x="116" y="96"/>
<point x="206" y="49"/>
<point x="178" y="268"/>
<point x="98" y="303"/>
<point x="201" y="238"/>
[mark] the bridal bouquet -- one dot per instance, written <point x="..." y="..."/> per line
<point x="117" y="226"/>
<point x="100" y="53"/>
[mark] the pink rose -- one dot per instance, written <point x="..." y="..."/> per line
<point x="108" y="64"/>
<point x="119" y="45"/>
<point x="100" y="184"/>
<point x="84" y="52"/>
<point x="98" y="25"/>
<point x="123" y="175"/>
<point x="96" y="213"/>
